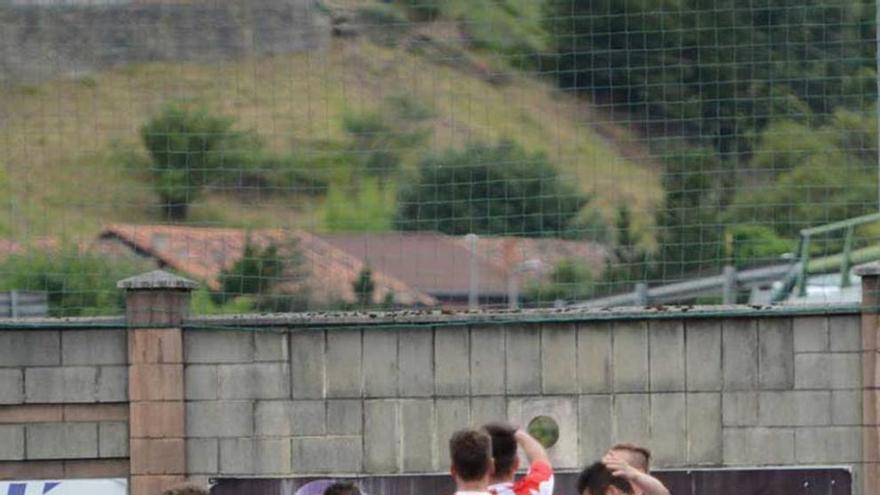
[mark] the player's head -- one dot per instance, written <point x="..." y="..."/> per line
<point x="342" y="488"/>
<point x="186" y="489"/>
<point x="470" y="452"/>
<point x="503" y="450"/>
<point x="636" y="456"/>
<point x="596" y="479"/>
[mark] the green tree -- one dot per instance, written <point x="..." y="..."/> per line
<point x="485" y="189"/>
<point x="713" y="68"/>
<point x="629" y="262"/>
<point x="826" y="188"/>
<point x="78" y="283"/>
<point x="817" y="175"/>
<point x="364" y="287"/>
<point x="690" y="228"/>
<point x="190" y="147"/>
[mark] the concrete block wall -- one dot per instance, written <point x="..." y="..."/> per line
<point x="748" y="391"/>
<point x="63" y="403"/>
<point x="167" y="399"/>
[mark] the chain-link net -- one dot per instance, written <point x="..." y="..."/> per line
<point x="297" y="155"/>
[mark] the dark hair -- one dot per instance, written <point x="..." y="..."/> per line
<point x="503" y="446"/>
<point x="471" y="454"/>
<point x="645" y="454"/>
<point x="342" y="488"/>
<point x="185" y="489"/>
<point x="597" y="478"/>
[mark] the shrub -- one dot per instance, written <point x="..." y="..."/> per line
<point x="629" y="263"/>
<point x="424" y="10"/>
<point x="364" y="287"/>
<point x="188" y="148"/>
<point x="375" y="144"/>
<point x="369" y="209"/>
<point x="272" y="277"/>
<point x="496" y="189"/>
<point x="570" y="280"/>
<point x="752" y="243"/>
<point x="384" y="23"/>
<point x="78" y="284"/>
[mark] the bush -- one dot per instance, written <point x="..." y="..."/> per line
<point x="271" y="279"/>
<point x="78" y="284"/>
<point x="370" y="209"/>
<point x="491" y="190"/>
<point x="786" y="144"/>
<point x="752" y="244"/>
<point x="203" y="303"/>
<point x="630" y="262"/>
<point x="384" y="23"/>
<point x="424" y="10"/>
<point x="364" y="287"/>
<point x="189" y="148"/>
<point x="826" y="188"/>
<point x="570" y="280"/>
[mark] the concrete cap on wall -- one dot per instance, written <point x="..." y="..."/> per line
<point x="868" y="269"/>
<point x="157" y="280"/>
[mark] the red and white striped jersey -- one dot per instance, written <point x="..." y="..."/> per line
<point x="538" y="481"/>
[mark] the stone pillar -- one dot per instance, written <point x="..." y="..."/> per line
<point x="156" y="305"/>
<point x="870" y="275"/>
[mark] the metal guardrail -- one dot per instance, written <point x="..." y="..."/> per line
<point x="846" y="256"/>
<point x="23" y="304"/>
<point x="792" y="275"/>
<point x="725" y="284"/>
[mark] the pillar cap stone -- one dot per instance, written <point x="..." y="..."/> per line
<point x="157" y="280"/>
<point x="868" y="269"/>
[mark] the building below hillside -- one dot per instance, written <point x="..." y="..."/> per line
<point x="417" y="269"/>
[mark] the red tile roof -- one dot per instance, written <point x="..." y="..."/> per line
<point x="204" y="252"/>
<point x="419" y="268"/>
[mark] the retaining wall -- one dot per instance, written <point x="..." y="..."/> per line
<point x="39" y="41"/>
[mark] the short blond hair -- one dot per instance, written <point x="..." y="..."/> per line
<point x="637" y="456"/>
<point x="186" y="489"/>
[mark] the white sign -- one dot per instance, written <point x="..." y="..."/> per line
<point x="65" y="487"/>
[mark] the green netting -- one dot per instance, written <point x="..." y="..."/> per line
<point x="313" y="155"/>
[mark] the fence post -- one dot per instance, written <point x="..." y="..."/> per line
<point x="474" y="285"/>
<point x="870" y="274"/>
<point x="156" y="305"/>
<point x="728" y="290"/>
<point x="641" y="294"/>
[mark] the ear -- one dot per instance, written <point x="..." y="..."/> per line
<point x="515" y="463"/>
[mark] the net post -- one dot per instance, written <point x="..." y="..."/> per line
<point x="474" y="283"/>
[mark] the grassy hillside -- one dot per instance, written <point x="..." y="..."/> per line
<point x="69" y="147"/>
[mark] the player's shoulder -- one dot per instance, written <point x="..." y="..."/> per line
<point x="540" y="473"/>
<point x="541" y="469"/>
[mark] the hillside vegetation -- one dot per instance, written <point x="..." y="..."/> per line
<point x="73" y="159"/>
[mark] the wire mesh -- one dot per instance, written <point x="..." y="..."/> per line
<point x="294" y="155"/>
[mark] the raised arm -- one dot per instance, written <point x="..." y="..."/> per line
<point x="648" y="484"/>
<point x="535" y="452"/>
